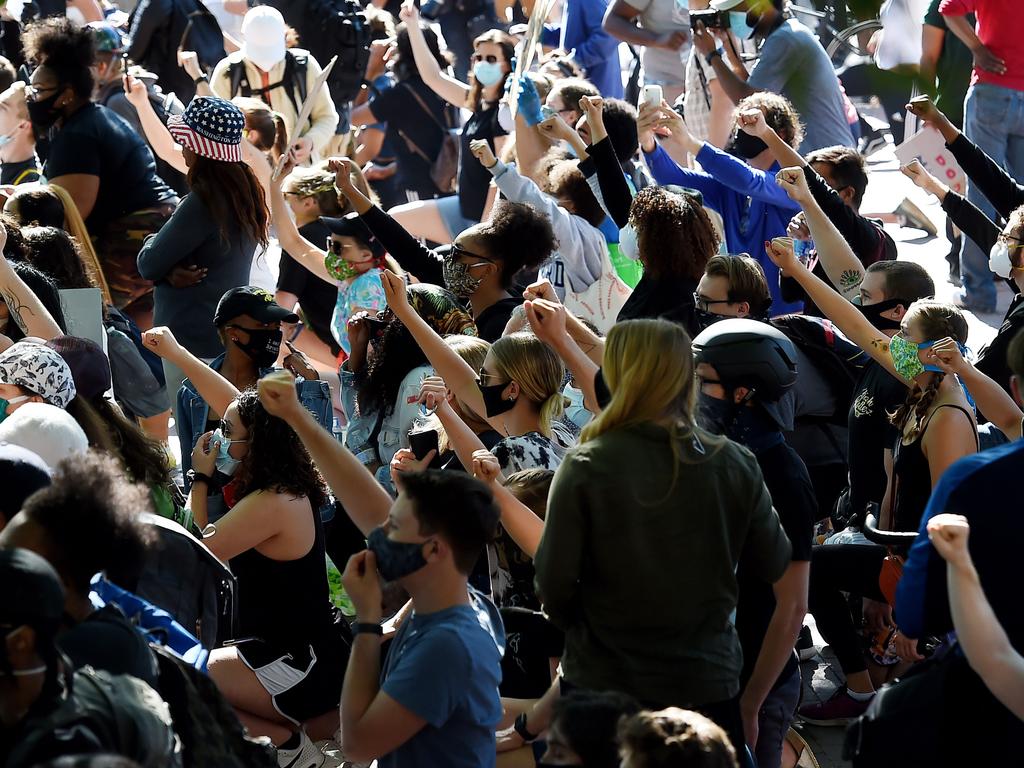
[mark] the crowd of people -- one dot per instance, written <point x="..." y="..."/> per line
<point x="431" y="384"/>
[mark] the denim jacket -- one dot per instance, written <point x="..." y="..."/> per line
<point x="193" y="412"/>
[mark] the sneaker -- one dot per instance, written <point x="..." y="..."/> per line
<point x="306" y="755"/>
<point x="960" y="300"/>
<point x="841" y="709"/>
<point x="805" y="645"/>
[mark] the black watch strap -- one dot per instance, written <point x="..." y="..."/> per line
<point x="520" y="727"/>
<point x="713" y="55"/>
<point x="200" y="79"/>
<point x="367" y="628"/>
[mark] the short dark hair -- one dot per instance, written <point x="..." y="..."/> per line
<point x="589" y="721"/>
<point x="90" y="514"/>
<point x="8" y="74"/>
<point x="674" y="737"/>
<point x="68" y="50"/>
<point x="620" y="123"/>
<point x="457" y="507"/>
<point x="571" y="89"/>
<point x="846" y="166"/>
<point x="905" y="280"/>
<point x="746" y="280"/>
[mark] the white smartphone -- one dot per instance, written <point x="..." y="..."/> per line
<point x="651" y="94"/>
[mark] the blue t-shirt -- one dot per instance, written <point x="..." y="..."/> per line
<point x="982" y="488"/>
<point x="793" y="63"/>
<point x="445" y="667"/>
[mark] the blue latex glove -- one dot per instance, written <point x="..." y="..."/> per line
<point x="529" y="102"/>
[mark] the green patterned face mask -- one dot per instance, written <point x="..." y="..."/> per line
<point x="904" y="357"/>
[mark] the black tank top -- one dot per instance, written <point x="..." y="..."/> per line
<point x="913" y="482"/>
<point x="285" y="602"/>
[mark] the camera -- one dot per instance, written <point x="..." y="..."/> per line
<point x="711" y="19"/>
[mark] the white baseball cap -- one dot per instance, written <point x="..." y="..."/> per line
<point x="264" y="32"/>
<point x="725" y="5"/>
<point x="48" y="431"/>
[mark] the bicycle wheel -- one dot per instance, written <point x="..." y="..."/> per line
<point x="848" y="39"/>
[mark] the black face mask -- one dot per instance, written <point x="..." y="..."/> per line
<point x="263" y="346"/>
<point x="601" y="391"/>
<point x="494" y="404"/>
<point x="873" y="314"/>
<point x="745" y="146"/>
<point x="706" y="319"/>
<point x="43" y="113"/>
<point x="750" y="427"/>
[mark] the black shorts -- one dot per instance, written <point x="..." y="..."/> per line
<point x="304" y="682"/>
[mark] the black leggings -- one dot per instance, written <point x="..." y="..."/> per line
<point x="838" y="568"/>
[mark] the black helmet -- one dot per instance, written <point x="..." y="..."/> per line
<point x="748" y="353"/>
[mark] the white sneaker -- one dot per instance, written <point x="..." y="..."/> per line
<point x="306" y="755"/>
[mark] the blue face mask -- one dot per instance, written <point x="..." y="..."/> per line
<point x="628" y="245"/>
<point x="13" y="401"/>
<point x="487" y="74"/>
<point x="738" y="25"/>
<point x="226" y="463"/>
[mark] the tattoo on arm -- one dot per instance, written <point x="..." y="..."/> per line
<point x="882" y="345"/>
<point x="15" y="307"/>
<point x="850" y="279"/>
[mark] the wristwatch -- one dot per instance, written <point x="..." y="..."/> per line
<point x="366" y="628"/>
<point x="519" y="726"/>
<point x="713" y="55"/>
<point x="200" y="79"/>
<point x="194" y="477"/>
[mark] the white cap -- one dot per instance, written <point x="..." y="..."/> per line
<point x="725" y="5"/>
<point x="264" y="31"/>
<point x="46" y="430"/>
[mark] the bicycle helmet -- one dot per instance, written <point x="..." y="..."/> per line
<point x="748" y="353"/>
<point x="107" y="38"/>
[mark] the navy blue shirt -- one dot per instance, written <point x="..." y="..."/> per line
<point x="445" y="667"/>
<point x="981" y="487"/>
<point x="593" y="48"/>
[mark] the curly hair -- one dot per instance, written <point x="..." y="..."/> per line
<point x="65" y="48"/>
<point x="936" y="320"/>
<point x="277" y="460"/>
<point x="674" y="737"/>
<point x="54" y="252"/>
<point x="36" y="206"/>
<point x="563" y="180"/>
<point x="90" y="515"/>
<point x="232" y="194"/>
<point x="779" y="113"/>
<point x="674" y="233"/>
<point x="519" y="236"/>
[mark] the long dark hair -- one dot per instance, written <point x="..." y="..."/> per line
<point x="56" y="253"/>
<point x="277" y="460"/>
<point x="232" y="193"/>
<point x="143" y="457"/>
<point x="508" y="50"/>
<point x="405" y="65"/>
<point x="395" y="353"/>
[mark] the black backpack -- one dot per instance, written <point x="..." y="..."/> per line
<point x="296" y="64"/>
<point x="202" y="34"/>
<point x="836" y="358"/>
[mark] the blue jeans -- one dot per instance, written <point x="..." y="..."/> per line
<point x="774" y="719"/>
<point x="994" y="120"/>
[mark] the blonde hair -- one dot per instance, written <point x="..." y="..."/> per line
<point x="473" y="350"/>
<point x="14" y="98"/>
<point x="523" y="358"/>
<point x="648" y="366"/>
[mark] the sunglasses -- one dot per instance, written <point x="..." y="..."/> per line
<point x="458" y="251"/>
<point x="336" y="246"/>
<point x="489" y="59"/>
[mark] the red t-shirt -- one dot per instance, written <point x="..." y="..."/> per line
<point x="1000" y="26"/>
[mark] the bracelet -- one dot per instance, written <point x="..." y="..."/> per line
<point x="713" y="55"/>
<point x="520" y="727"/>
<point x="199" y="477"/>
<point x="200" y="79"/>
<point x="367" y="628"/>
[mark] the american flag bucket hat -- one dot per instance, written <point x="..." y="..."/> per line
<point x="210" y="127"/>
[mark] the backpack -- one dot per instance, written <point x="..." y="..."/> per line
<point x="202" y="34"/>
<point x="340" y="29"/>
<point x="184" y="578"/>
<point x="296" y="63"/>
<point x="208" y="727"/>
<point x="118" y="714"/>
<point x="837" y="359"/>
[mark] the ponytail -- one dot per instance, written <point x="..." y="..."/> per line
<point x="550" y="411"/>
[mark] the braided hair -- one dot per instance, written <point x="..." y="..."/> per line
<point x="936" y="320"/>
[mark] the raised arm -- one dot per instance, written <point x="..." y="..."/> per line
<point x="614" y="190"/>
<point x="522" y="524"/>
<point x="351" y="483"/>
<point x="843" y="268"/>
<point x="157" y="135"/>
<point x="841" y="312"/>
<point x="456" y="372"/>
<point x="982" y="637"/>
<point x="24" y="307"/>
<point x="991" y="399"/>
<point x="302" y="250"/>
<point x="548" y="322"/>
<point x="217" y="391"/>
<point x="449" y="88"/>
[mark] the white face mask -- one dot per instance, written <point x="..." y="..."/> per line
<point x="999" y="260"/>
<point x="628" y="245"/>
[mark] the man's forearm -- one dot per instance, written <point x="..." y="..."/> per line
<point x="628" y="32"/>
<point x="362" y="681"/>
<point x="735" y="88"/>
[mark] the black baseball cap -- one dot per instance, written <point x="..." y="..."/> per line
<point x="32" y="593"/>
<point x="22" y="473"/>
<point x="254" y="302"/>
<point x="351" y="225"/>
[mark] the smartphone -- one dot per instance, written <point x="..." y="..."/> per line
<point x="651" y="94"/>
<point x="422" y="443"/>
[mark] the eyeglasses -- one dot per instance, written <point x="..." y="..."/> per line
<point x="703" y="303"/>
<point x="32" y="92"/>
<point x="337" y="247"/>
<point x="458" y="251"/>
<point x="489" y="59"/>
<point x="483" y="377"/>
<point x="1010" y="240"/>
